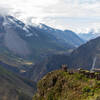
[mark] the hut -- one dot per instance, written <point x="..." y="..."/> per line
<point x="92" y="75"/>
<point x="64" y="67"/>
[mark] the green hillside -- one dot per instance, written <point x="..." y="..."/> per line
<point x="14" y="60"/>
<point x="13" y="87"/>
<point x="60" y="85"/>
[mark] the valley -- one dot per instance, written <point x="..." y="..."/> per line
<point x="34" y="54"/>
<point x="81" y="57"/>
<point x="24" y="46"/>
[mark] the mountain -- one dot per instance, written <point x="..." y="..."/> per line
<point x="22" y="46"/>
<point x="88" y="36"/>
<point x="81" y="57"/>
<point x="61" y="85"/>
<point x="67" y="35"/>
<point x="30" y="44"/>
<point x="14" y="87"/>
<point x="85" y="54"/>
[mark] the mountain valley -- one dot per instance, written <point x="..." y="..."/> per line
<point x="29" y="52"/>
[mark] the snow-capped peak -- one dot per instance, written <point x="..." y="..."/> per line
<point x="43" y="26"/>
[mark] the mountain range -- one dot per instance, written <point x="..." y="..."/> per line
<point x="33" y="43"/>
<point x="34" y="50"/>
<point x="23" y="45"/>
<point x="88" y="36"/>
<point x="29" y="51"/>
<point x="81" y="57"/>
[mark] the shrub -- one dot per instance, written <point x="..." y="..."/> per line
<point x="50" y="96"/>
<point x="98" y="98"/>
<point x="86" y="89"/>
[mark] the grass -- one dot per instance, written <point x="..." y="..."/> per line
<point x="11" y="59"/>
<point x="60" y="85"/>
<point x="14" y="86"/>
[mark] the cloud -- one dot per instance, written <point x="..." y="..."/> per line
<point x="77" y="15"/>
<point x="4" y="10"/>
<point x="75" y="8"/>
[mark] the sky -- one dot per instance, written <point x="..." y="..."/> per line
<point x="80" y="16"/>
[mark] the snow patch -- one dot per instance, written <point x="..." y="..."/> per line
<point x="9" y="21"/>
<point x="25" y="28"/>
<point x="29" y="35"/>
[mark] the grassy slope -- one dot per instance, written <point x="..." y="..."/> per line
<point x="9" y="58"/>
<point x="59" y="85"/>
<point x="13" y="87"/>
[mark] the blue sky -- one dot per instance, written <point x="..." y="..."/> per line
<point x="77" y="15"/>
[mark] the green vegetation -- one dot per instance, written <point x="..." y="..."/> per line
<point x="13" y="60"/>
<point x="23" y="96"/>
<point x="60" y="85"/>
<point x="9" y="58"/>
<point x="14" y="87"/>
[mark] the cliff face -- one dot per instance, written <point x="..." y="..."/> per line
<point x="60" y="85"/>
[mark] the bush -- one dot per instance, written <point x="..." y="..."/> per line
<point x="98" y="98"/>
<point x="50" y="96"/>
<point x="86" y="89"/>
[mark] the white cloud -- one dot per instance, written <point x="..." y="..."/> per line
<point x="78" y="15"/>
<point x="4" y="10"/>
